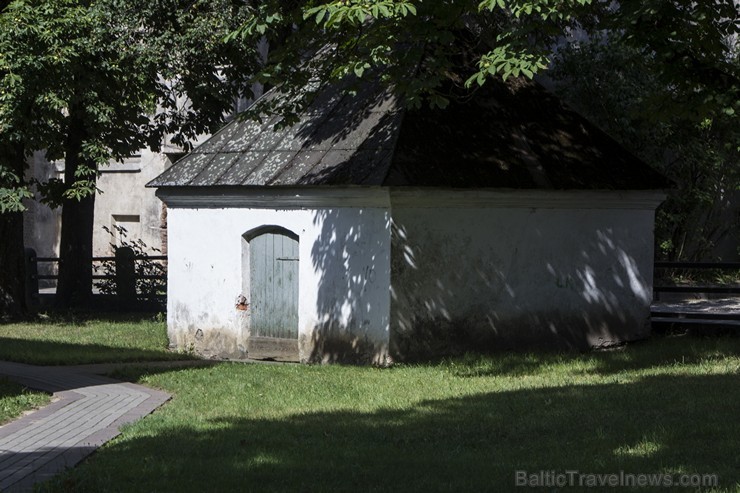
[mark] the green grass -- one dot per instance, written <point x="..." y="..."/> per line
<point x="671" y="405"/>
<point x="16" y="399"/>
<point x="72" y="341"/>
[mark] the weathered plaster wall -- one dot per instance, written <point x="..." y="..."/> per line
<point x="123" y="197"/>
<point x="487" y="269"/>
<point x="559" y="273"/>
<point x="344" y="275"/>
<point x="126" y="202"/>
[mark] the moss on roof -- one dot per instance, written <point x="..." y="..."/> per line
<point x="507" y="135"/>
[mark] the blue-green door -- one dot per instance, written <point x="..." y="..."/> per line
<point x="273" y="269"/>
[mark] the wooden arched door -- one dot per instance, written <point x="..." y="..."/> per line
<point x="273" y="285"/>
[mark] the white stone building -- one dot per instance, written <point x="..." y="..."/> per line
<point x="370" y="233"/>
<point x="125" y="210"/>
<point x="123" y="201"/>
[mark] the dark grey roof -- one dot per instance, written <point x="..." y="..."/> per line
<point x="339" y="139"/>
<point x="513" y="135"/>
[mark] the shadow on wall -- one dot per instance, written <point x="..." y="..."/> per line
<point x="459" y="290"/>
<point x="351" y="255"/>
<point x="470" y="443"/>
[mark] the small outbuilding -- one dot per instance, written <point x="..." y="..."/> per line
<point x="372" y="233"/>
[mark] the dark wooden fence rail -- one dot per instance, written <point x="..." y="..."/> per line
<point x="121" y="272"/>
<point x="683" y="316"/>
<point x="703" y="287"/>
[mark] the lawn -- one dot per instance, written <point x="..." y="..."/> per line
<point x="73" y="340"/>
<point x="15" y="399"/>
<point x="670" y="405"/>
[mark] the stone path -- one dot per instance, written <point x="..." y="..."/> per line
<point x="87" y="411"/>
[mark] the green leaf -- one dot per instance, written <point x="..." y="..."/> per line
<point x="486" y="5"/>
<point x="11" y="199"/>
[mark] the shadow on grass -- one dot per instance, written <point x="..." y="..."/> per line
<point x="15" y="399"/>
<point x="658" y="351"/>
<point x="663" y="424"/>
<point x="75" y="317"/>
<point x="71" y="338"/>
<point x="9" y="389"/>
<point x="39" y="352"/>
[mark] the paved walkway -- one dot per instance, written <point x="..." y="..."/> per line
<point x="87" y="411"/>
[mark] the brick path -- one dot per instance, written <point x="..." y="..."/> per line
<point x="87" y="411"/>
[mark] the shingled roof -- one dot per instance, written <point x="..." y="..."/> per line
<point x="507" y="135"/>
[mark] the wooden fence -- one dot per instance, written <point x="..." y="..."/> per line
<point x="707" y="279"/>
<point x="124" y="281"/>
<point x="697" y="287"/>
<point x="133" y="281"/>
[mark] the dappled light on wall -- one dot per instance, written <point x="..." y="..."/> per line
<point x="523" y="280"/>
<point x="351" y="258"/>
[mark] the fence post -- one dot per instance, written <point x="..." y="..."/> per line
<point x="32" y="277"/>
<point x="125" y="274"/>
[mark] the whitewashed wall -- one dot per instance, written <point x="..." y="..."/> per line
<point x="123" y="196"/>
<point x="344" y="274"/>
<point x="521" y="269"/>
<point x="126" y="202"/>
<point x="489" y="269"/>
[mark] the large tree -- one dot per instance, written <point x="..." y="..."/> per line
<point x="12" y="191"/>
<point x="618" y="88"/>
<point x="81" y="79"/>
<point x="661" y="75"/>
<point x="420" y="47"/>
<point x="97" y="80"/>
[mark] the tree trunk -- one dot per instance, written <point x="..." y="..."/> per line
<point x="12" y="269"/>
<point x="12" y="265"/>
<point x="74" y="289"/>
